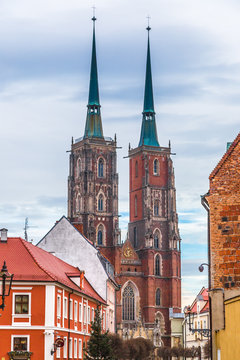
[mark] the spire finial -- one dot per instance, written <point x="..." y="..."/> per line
<point x="94" y="17"/>
<point x="148" y="27"/>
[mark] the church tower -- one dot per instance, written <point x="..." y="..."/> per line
<point x="93" y="178"/>
<point x="153" y="226"/>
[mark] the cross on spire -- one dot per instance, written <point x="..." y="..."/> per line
<point x="148" y="27"/>
<point x="94" y="18"/>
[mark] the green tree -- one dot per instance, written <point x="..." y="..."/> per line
<point x="99" y="344"/>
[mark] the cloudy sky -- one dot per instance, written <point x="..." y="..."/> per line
<point x="45" y="51"/>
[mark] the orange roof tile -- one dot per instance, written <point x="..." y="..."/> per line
<point x="30" y="263"/>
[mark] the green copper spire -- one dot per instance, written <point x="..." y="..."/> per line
<point x="93" y="127"/>
<point x="148" y="130"/>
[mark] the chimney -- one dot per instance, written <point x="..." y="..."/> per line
<point x="3" y="235"/>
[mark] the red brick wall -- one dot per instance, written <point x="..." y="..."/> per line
<point x="224" y="202"/>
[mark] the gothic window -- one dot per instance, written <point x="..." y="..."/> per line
<point x="136" y="169"/>
<point x="156" y="241"/>
<point x="157" y="265"/>
<point x="100" y="167"/>
<point x="100" y="202"/>
<point x="135" y="205"/>
<point x="135" y="237"/>
<point x="156" y="207"/>
<point x="100" y="235"/>
<point x="158" y="297"/>
<point x="79" y="167"/>
<point x="156" y="167"/>
<point x="128" y="303"/>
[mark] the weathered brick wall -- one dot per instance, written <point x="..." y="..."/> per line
<point x="224" y="202"/>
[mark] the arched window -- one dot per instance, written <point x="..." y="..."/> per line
<point x="156" y="167"/>
<point x="128" y="303"/>
<point x="156" y="240"/>
<point x="79" y="167"/>
<point x="157" y="265"/>
<point x="135" y="237"/>
<point x="100" y="203"/>
<point x="158" y="297"/>
<point x="100" y="167"/>
<point x="100" y="235"/>
<point x="156" y="207"/>
<point x="136" y="169"/>
<point x="135" y="205"/>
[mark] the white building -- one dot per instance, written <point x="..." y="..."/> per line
<point x="200" y="320"/>
<point x="67" y="243"/>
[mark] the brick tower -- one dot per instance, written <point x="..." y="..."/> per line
<point x="93" y="178"/>
<point x="153" y="227"/>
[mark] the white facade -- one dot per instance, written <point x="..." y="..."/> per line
<point x="68" y="244"/>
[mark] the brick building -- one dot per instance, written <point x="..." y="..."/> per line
<point x="223" y="205"/>
<point x="147" y="266"/>
<point x="49" y="299"/>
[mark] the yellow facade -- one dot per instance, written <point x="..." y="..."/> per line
<point x="228" y="340"/>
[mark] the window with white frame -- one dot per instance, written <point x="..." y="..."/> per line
<point x="75" y="349"/>
<point x="58" y="306"/>
<point x="93" y="312"/>
<point x="88" y="315"/>
<point x="80" y="348"/>
<point x="21" y="304"/>
<point x="65" y="308"/>
<point x="84" y="313"/>
<point x="70" y="347"/>
<point x="80" y="312"/>
<point x="75" y="310"/>
<point x="65" y="347"/>
<point x="71" y="309"/>
<point x="20" y="343"/>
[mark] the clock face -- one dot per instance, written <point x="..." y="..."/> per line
<point x="127" y="252"/>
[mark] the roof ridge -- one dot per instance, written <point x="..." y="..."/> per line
<point x="25" y="243"/>
<point x="225" y="156"/>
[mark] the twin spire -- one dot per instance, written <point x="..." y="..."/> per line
<point x="93" y="127"/>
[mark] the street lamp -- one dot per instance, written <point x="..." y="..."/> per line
<point x="190" y="317"/>
<point x="5" y="284"/>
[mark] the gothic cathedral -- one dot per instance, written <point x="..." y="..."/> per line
<point x="148" y="264"/>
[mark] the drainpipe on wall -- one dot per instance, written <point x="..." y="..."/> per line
<point x="205" y="204"/>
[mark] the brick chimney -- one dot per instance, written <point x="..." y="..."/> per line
<point x="3" y="235"/>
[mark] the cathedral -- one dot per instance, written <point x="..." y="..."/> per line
<point x="147" y="266"/>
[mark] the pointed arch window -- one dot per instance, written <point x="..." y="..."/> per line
<point x="156" y="167"/>
<point x="100" y="167"/>
<point x="157" y="265"/>
<point x="79" y="167"/>
<point x="100" y="202"/>
<point x="136" y="169"/>
<point x="100" y="235"/>
<point x="135" y="205"/>
<point x="158" y="297"/>
<point x="128" y="304"/>
<point x="135" y="237"/>
<point x="156" y="240"/>
<point x="156" y="207"/>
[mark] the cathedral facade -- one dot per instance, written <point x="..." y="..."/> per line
<point x="147" y="266"/>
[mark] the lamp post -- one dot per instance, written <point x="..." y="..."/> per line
<point x="5" y="284"/>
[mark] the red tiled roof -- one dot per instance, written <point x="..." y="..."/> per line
<point x="225" y="156"/>
<point x="30" y="263"/>
<point x="204" y="293"/>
